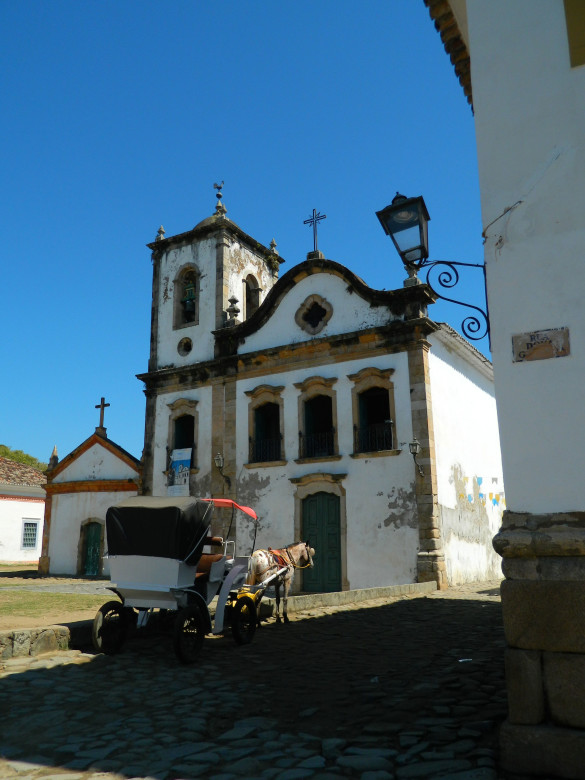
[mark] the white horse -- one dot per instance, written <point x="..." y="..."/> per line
<point x="263" y="563"/>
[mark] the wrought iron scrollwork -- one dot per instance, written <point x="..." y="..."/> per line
<point x="474" y="326"/>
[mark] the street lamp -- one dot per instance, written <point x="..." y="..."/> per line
<point x="219" y="462"/>
<point x="414" y="448"/>
<point x="406" y="220"/>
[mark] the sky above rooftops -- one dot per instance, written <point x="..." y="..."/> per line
<point x="120" y="116"/>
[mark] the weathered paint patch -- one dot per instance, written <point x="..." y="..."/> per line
<point x="402" y="506"/>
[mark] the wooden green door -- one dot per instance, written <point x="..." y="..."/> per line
<point x="321" y="527"/>
<point x="93" y="545"/>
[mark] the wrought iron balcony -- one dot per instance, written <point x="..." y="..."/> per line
<point x="373" y="438"/>
<point x="262" y="450"/>
<point x="317" y="445"/>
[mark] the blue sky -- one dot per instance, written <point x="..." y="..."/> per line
<point x="119" y="116"/>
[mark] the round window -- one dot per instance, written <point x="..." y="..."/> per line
<point x="185" y="346"/>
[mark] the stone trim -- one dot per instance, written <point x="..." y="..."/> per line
<point x="431" y="558"/>
<point x="375" y="454"/>
<point x="265" y="464"/>
<point x="318" y="482"/>
<point x="330" y="350"/>
<point x="93" y="486"/>
<point x="306" y="306"/>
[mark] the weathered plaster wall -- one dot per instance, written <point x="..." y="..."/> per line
<point x="96" y="463"/>
<point x="382" y="535"/>
<point x="350" y="313"/>
<point x="529" y="117"/>
<point x="468" y="462"/>
<point x="202" y="255"/>
<point x="200" y="481"/>
<point x="13" y="514"/>
<point x="73" y="509"/>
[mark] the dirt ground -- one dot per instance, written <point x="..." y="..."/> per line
<point x="17" y="576"/>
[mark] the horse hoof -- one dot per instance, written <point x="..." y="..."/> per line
<point x="286" y="620"/>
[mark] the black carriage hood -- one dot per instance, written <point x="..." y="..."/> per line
<point x="159" y="527"/>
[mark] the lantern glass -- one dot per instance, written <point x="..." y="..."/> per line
<point x="405" y="220"/>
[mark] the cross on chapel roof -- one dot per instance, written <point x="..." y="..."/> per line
<point x="101" y="406"/>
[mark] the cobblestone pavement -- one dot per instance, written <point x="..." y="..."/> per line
<point x="407" y="688"/>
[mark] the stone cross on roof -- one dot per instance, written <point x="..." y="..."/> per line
<point x="101" y="406"/>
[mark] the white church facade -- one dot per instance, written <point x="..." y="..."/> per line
<point x="303" y="397"/>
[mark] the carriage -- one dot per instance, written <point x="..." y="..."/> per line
<point x="161" y="573"/>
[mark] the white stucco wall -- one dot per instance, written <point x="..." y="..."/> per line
<point x="530" y="115"/>
<point x="382" y="535"/>
<point x="469" y="472"/>
<point x="69" y="512"/>
<point x="350" y="313"/>
<point x="14" y="512"/>
<point x="96" y="463"/>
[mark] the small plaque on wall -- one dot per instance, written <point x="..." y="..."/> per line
<point x="541" y="345"/>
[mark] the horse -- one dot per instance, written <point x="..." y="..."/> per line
<point x="263" y="563"/>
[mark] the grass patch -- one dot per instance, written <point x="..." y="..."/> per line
<point x="34" y="604"/>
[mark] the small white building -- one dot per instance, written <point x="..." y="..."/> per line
<point x="311" y="389"/>
<point x="80" y="489"/>
<point x="22" y="506"/>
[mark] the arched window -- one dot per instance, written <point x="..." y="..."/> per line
<point x="373" y="411"/>
<point x="266" y="424"/>
<point x="182" y="435"/>
<point x="184" y="432"/>
<point x="251" y="296"/>
<point x="317" y="418"/>
<point x="186" y="298"/>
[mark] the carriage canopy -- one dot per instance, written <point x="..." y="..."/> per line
<point x="159" y="527"/>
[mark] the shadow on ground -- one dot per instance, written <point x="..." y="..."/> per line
<point x="426" y="667"/>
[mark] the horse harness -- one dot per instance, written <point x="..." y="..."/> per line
<point x="280" y="560"/>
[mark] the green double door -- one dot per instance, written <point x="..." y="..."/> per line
<point x="321" y="527"/>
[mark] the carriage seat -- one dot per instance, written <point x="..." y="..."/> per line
<point x="204" y="566"/>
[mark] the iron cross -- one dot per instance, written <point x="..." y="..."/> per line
<point x="101" y="406"/>
<point x="314" y="220"/>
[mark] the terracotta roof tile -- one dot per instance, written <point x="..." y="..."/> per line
<point x="12" y="473"/>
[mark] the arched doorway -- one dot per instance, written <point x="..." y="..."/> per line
<point x="320" y="523"/>
<point x="92" y="549"/>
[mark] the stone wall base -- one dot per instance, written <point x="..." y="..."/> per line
<point x="542" y="751"/>
<point x="33" y="641"/>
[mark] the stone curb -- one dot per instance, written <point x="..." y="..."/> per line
<point x="49" y="639"/>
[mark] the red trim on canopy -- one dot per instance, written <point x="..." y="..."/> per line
<point x="227" y="503"/>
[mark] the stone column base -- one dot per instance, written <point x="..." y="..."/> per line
<point x="431" y="567"/>
<point x="543" y="609"/>
<point x="542" y="751"/>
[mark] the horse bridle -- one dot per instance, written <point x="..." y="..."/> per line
<point x="296" y="565"/>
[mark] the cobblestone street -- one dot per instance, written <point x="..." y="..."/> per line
<point x="407" y="688"/>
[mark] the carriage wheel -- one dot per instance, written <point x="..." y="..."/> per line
<point x="189" y="634"/>
<point x="244" y="620"/>
<point x="109" y="628"/>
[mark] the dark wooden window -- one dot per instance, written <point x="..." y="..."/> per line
<point x="265" y="445"/>
<point x="374" y="430"/>
<point x="318" y="438"/>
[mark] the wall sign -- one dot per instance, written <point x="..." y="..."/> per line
<point x="540" y="345"/>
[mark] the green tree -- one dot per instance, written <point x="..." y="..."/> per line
<point x="21" y="457"/>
